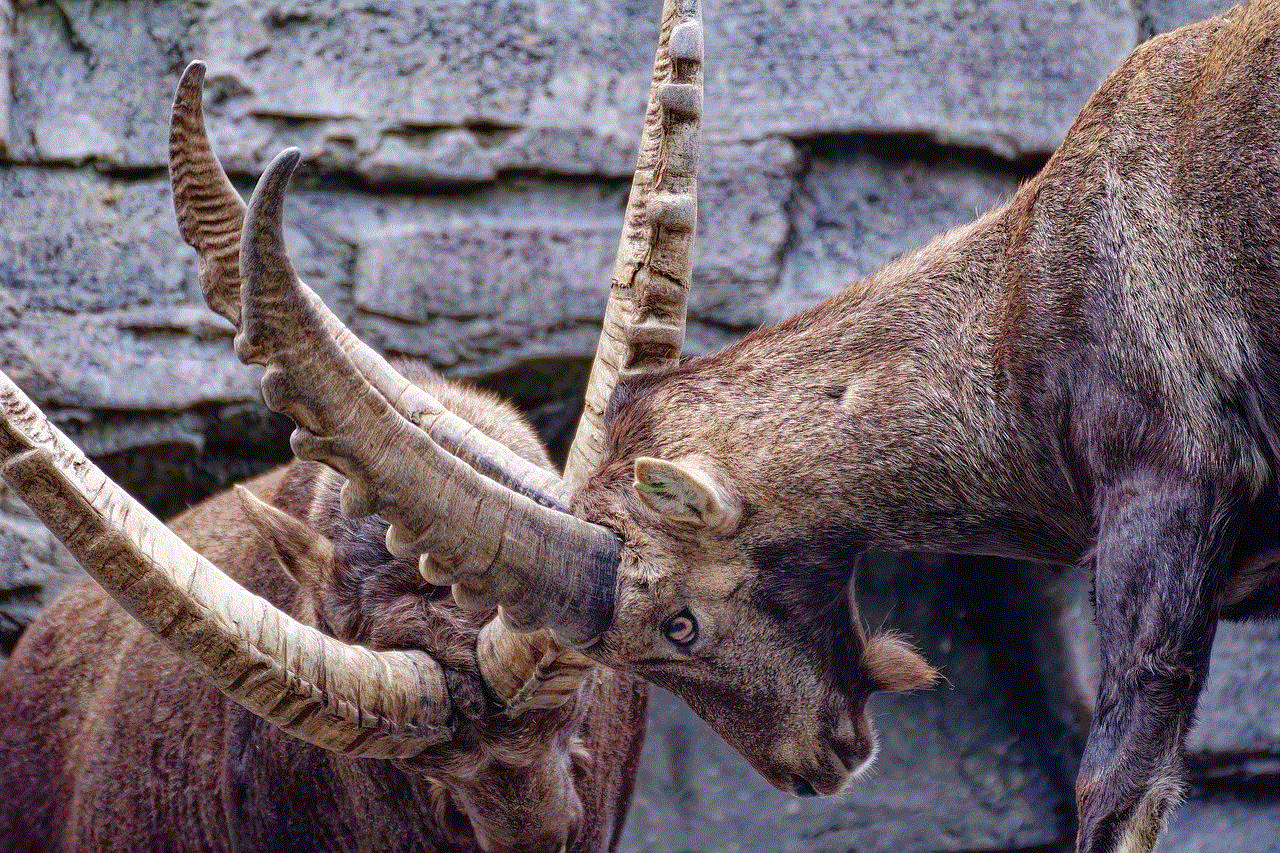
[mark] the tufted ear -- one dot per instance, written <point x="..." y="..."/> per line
<point x="685" y="491"/>
<point x="304" y="554"/>
<point x="893" y="665"/>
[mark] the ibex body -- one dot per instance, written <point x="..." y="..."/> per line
<point x="113" y="743"/>
<point x="355" y="707"/>
<point x="1088" y="375"/>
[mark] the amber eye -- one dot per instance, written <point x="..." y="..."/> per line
<point x="681" y="629"/>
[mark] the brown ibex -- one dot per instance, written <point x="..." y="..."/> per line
<point x="398" y="721"/>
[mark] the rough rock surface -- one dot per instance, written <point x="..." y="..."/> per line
<point x="466" y="166"/>
<point x="445" y="92"/>
<point x="6" y="51"/>
<point x="1213" y="821"/>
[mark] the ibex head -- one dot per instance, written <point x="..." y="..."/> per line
<point x="641" y="556"/>
<point x="754" y="626"/>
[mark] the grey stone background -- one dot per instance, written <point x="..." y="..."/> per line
<point x="466" y="169"/>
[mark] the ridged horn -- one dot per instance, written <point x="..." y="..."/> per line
<point x="447" y="490"/>
<point x="209" y="210"/>
<point x="341" y="697"/>
<point x="520" y="669"/>
<point x="644" y="319"/>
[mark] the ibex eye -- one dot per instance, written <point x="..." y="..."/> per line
<point x="681" y="629"/>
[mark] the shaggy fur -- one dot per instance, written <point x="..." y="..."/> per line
<point x="111" y="744"/>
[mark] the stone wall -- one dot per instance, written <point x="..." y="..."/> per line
<point x="466" y="166"/>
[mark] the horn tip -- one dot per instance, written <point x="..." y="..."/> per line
<point x="285" y="162"/>
<point x="190" y="89"/>
<point x="194" y="72"/>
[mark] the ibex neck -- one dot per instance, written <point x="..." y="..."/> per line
<point x="891" y="415"/>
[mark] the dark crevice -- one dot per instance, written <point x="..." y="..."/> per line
<point x="130" y="173"/>
<point x="921" y="148"/>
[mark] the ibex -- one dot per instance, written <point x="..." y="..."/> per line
<point x="398" y="721"/>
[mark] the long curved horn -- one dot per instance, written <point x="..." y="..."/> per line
<point x="524" y="670"/>
<point x="448" y="491"/>
<point x="643" y="321"/>
<point x="211" y="217"/>
<point x="644" y="318"/>
<point x="341" y="697"/>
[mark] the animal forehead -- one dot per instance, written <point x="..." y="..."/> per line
<point x="718" y="582"/>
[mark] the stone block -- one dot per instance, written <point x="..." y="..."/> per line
<point x="101" y="307"/>
<point x="6" y="55"/>
<point x="743" y="228"/>
<point x="859" y="207"/>
<point x="1007" y="77"/>
<point x="1238" y="730"/>
<point x="1160" y="16"/>
<point x="1219" y="820"/>
<point x="444" y="92"/>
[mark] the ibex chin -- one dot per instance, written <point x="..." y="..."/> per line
<point x="399" y="721"/>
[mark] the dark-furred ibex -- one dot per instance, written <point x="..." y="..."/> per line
<point x="398" y="720"/>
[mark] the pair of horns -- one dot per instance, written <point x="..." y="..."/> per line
<point x="478" y="516"/>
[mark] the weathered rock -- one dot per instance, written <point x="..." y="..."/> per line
<point x="1238" y="731"/>
<point x="6" y="54"/>
<point x="912" y="68"/>
<point x="1161" y="16"/>
<point x="957" y="768"/>
<point x="743" y="229"/>
<point x="470" y="292"/>
<point x="101" y="308"/>
<point x="1221" y="820"/>
<point x="445" y="92"/>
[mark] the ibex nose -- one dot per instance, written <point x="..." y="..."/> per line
<point x="801" y="788"/>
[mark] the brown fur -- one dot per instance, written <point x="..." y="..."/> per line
<point x="1089" y="374"/>
<point x="110" y="743"/>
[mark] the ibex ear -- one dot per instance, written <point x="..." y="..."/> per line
<point x="304" y="554"/>
<point x="685" y="491"/>
<point x="893" y="665"/>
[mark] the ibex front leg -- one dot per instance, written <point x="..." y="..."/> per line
<point x="1159" y="547"/>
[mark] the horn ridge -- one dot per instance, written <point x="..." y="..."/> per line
<point x="495" y="543"/>
<point x="643" y="326"/>
<point x="210" y="212"/>
<point x="211" y="216"/>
